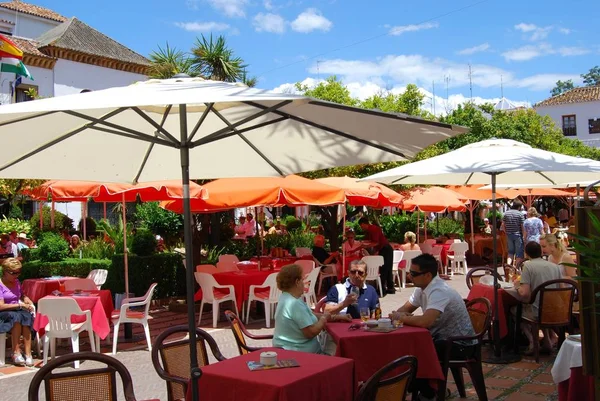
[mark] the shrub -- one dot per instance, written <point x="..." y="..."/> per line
<point x="90" y="226"/>
<point x="143" y="243"/>
<point x="159" y="221"/>
<point x="243" y="249"/>
<point x="8" y="225"/>
<point x="395" y="226"/>
<point x="293" y="225"/>
<point x="53" y="247"/>
<point x="61" y="222"/>
<point x="446" y="225"/>
<point x="15" y="212"/>
<point x="166" y="269"/>
<point x="211" y="255"/>
<point x="67" y="267"/>
<point x="29" y="254"/>
<point x="97" y="249"/>
<point x="301" y="239"/>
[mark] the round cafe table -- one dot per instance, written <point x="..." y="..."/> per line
<point x="567" y="372"/>
<point x="507" y="300"/>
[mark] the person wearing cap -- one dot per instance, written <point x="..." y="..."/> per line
<point x="487" y="228"/>
<point x="22" y="244"/>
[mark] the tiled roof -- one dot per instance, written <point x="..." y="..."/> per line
<point x="6" y="21"/>
<point x="32" y="9"/>
<point x="76" y="36"/>
<point x="29" y="46"/>
<point x="576" y="95"/>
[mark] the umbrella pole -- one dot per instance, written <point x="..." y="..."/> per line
<point x="472" y="209"/>
<point x="125" y="258"/>
<point x="42" y="213"/>
<point x="418" y="235"/>
<point x="195" y="372"/>
<point x="343" y="247"/>
<point x="52" y="215"/>
<point x="83" y="217"/>
<point x="496" y="355"/>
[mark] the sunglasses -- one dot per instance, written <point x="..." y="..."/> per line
<point x="416" y="273"/>
<point x="359" y="272"/>
<point x="15" y="273"/>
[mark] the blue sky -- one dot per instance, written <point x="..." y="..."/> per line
<point x="374" y="45"/>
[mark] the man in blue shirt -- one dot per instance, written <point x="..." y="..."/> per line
<point x="340" y="298"/>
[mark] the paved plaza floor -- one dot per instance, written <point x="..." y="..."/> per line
<point x="525" y="380"/>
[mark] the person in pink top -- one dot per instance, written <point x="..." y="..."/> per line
<point x="15" y="311"/>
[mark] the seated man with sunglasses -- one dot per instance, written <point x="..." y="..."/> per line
<point x="444" y="314"/>
<point x="340" y="298"/>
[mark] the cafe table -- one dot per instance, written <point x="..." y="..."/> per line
<point x="371" y="351"/>
<point x="567" y="373"/>
<point x="92" y="301"/>
<point x="319" y="377"/>
<point x="36" y="288"/>
<point x="506" y="296"/>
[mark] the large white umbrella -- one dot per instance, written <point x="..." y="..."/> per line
<point x="495" y="161"/>
<point x="185" y="127"/>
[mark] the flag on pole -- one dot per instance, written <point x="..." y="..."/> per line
<point x="14" y="85"/>
<point x="12" y="58"/>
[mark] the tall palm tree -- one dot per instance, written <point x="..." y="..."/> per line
<point x="215" y="60"/>
<point x="168" y="62"/>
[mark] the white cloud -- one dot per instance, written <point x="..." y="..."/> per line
<point x="475" y="49"/>
<point x="564" y="31"/>
<point x="543" y="49"/>
<point x="267" y="22"/>
<point x="231" y="8"/>
<point x="268" y="4"/>
<point x="364" y="89"/>
<point x="400" y="70"/>
<point x="533" y="31"/>
<point x="208" y="26"/>
<point x="310" y="20"/>
<point x="399" y="30"/>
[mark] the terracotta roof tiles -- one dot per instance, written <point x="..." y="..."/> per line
<point x="576" y="95"/>
<point x="32" y="9"/>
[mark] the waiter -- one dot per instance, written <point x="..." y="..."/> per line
<point x="382" y="247"/>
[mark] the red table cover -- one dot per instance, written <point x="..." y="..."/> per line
<point x="577" y="388"/>
<point x="319" y="377"/>
<point x="241" y="282"/>
<point x="105" y="299"/>
<point x="36" y="288"/>
<point x="93" y="303"/>
<point x="371" y="351"/>
<point x="444" y="253"/>
<point x="506" y="301"/>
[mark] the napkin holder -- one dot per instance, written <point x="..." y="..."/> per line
<point x="268" y="358"/>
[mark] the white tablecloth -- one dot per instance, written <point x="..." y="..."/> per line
<point x="568" y="357"/>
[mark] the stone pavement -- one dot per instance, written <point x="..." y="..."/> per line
<point x="524" y="380"/>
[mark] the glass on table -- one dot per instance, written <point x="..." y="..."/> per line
<point x="365" y="314"/>
<point x="356" y="291"/>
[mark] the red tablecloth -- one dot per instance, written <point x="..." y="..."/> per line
<point x="241" y="282"/>
<point x="247" y="265"/>
<point x="506" y="301"/>
<point x="93" y="303"/>
<point x="105" y="298"/>
<point x="36" y="288"/>
<point x="577" y="388"/>
<point x="444" y="253"/>
<point x="318" y="377"/>
<point x="371" y="351"/>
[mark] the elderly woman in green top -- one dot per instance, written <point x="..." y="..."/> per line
<point x="296" y="326"/>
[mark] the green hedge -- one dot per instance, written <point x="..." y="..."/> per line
<point x="67" y="267"/>
<point x="30" y="254"/>
<point x="166" y="269"/>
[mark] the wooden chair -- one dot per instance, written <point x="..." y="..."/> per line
<point x="239" y="331"/>
<point x="82" y="385"/>
<point x="480" y="312"/>
<point x="555" y="310"/>
<point x="472" y="278"/>
<point x="382" y="387"/>
<point x="174" y="363"/>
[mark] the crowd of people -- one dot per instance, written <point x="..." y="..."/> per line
<point x="12" y="245"/>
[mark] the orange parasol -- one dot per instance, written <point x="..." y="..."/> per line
<point x="79" y="191"/>
<point x="473" y="192"/>
<point x="364" y="193"/>
<point x="293" y="190"/>
<point x="434" y="199"/>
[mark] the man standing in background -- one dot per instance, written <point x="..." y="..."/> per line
<point x="382" y="247"/>
<point x="513" y="221"/>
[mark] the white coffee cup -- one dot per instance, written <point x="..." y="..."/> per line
<point x="384" y="322"/>
<point x="268" y="358"/>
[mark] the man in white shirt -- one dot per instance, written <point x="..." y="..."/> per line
<point x="444" y="314"/>
<point x="250" y="226"/>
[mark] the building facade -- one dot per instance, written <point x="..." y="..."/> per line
<point x="576" y="112"/>
<point x="64" y="55"/>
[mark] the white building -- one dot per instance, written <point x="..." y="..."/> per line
<point x="64" y="55"/>
<point x="577" y="112"/>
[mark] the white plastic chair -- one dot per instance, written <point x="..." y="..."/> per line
<point x="126" y="315"/>
<point x="397" y="259"/>
<point x="306" y="265"/>
<point x="330" y="271"/>
<point x="436" y="252"/>
<point x="426" y="247"/>
<point x="300" y="252"/>
<point x="98" y="276"/>
<point x="212" y="292"/>
<point x="228" y="258"/>
<point x="226" y="266"/>
<point x="210" y="269"/>
<point x="268" y="294"/>
<point x="3" y="343"/>
<point x="59" y="312"/>
<point x="374" y="262"/>
<point x="310" y="282"/>
<point x="459" y="259"/>
<point x="85" y="284"/>
<point x="408" y="257"/>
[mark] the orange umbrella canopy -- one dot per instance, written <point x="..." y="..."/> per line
<point x="293" y="190"/>
<point x="434" y="199"/>
<point x="473" y="192"/>
<point x="364" y="193"/>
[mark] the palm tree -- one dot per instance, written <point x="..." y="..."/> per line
<point x="248" y="81"/>
<point x="215" y="60"/>
<point x="169" y="61"/>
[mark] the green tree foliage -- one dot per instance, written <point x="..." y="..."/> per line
<point x="159" y="221"/>
<point x="143" y="243"/>
<point x="592" y="77"/>
<point x="213" y="59"/>
<point x="408" y="102"/>
<point x="562" y="86"/>
<point x="169" y="61"/>
<point x="53" y="247"/>
<point x="62" y="222"/>
<point x="332" y="90"/>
